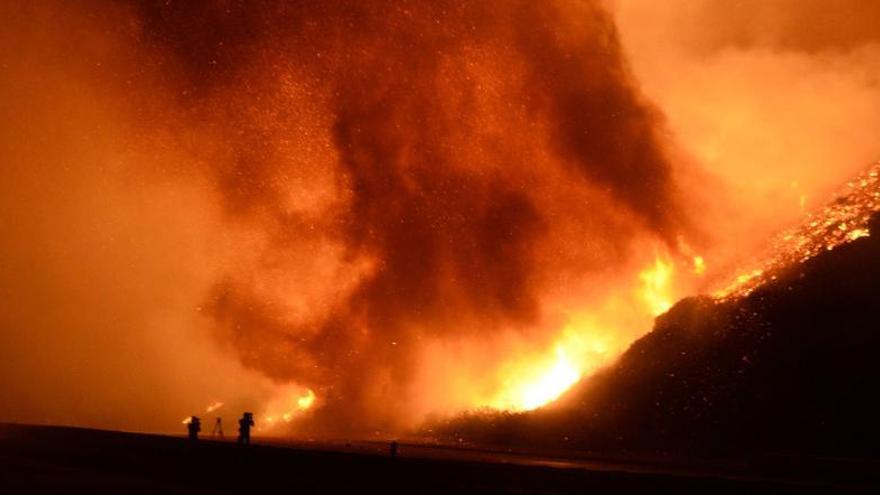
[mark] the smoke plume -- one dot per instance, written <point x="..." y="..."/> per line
<point x="462" y="143"/>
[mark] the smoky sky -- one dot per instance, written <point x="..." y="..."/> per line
<point x="444" y="131"/>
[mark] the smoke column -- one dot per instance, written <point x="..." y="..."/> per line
<point x="458" y="147"/>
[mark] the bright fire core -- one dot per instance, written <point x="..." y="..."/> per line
<point x="585" y="344"/>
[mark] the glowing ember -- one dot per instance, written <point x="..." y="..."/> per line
<point x="842" y="220"/>
<point x="211" y="408"/>
<point x="858" y="234"/>
<point x="306" y="400"/>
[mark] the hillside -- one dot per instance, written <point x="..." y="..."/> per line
<point x="791" y="367"/>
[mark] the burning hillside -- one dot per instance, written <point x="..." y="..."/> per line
<point x="844" y="219"/>
<point x="785" y="366"/>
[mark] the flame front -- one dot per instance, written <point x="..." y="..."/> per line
<point x="655" y="290"/>
<point x="585" y="344"/>
<point x="842" y="220"/>
<point x="536" y="382"/>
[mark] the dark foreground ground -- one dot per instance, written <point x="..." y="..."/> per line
<point x="37" y="459"/>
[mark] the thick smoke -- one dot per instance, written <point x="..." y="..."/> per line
<point x="105" y="246"/>
<point x="464" y="144"/>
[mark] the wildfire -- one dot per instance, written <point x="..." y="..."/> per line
<point x="655" y="286"/>
<point x="586" y="343"/>
<point x="581" y="348"/>
<point x="843" y="219"/>
<point x="211" y="408"/>
<point x="287" y="404"/>
<point x="562" y="375"/>
<point x="306" y="401"/>
<point x="534" y="383"/>
<point x="290" y="401"/>
<point x="699" y="265"/>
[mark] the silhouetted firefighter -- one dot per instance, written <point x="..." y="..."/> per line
<point x="244" y="428"/>
<point x="194" y="427"/>
<point x="218" y="429"/>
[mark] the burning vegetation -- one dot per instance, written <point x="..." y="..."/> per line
<point x="844" y="219"/>
<point x="785" y="367"/>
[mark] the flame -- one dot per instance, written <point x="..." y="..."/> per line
<point x="588" y="341"/>
<point x="699" y="265"/>
<point x="843" y="219"/>
<point x="857" y="234"/>
<point x="306" y="401"/>
<point x="562" y="375"/>
<point x="655" y="286"/>
<point x="211" y="408"/>
<point x="532" y="384"/>
<point x="289" y="402"/>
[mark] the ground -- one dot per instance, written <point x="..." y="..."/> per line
<point x="39" y="459"/>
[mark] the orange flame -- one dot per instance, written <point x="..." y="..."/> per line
<point x="289" y="402"/>
<point x="655" y="286"/>
<point x="586" y="343"/>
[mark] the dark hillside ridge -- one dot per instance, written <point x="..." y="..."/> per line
<point x="792" y="368"/>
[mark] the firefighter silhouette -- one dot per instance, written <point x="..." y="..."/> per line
<point x="194" y="427"/>
<point x="244" y="428"/>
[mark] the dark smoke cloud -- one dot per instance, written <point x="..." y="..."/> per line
<point x="328" y="189"/>
<point x="455" y="238"/>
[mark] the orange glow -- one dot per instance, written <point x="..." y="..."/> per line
<point x="857" y="234"/>
<point x="585" y="344"/>
<point x="289" y="403"/>
<point x="655" y="286"/>
<point x="211" y="408"/>
<point x="699" y="265"/>
<point x="534" y="382"/>
<point x="306" y="401"/>
<point x="843" y="219"/>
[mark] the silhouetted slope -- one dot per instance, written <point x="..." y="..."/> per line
<point x="793" y="367"/>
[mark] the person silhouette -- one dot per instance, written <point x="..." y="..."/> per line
<point x="244" y="428"/>
<point x="218" y="429"/>
<point x="194" y="427"/>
